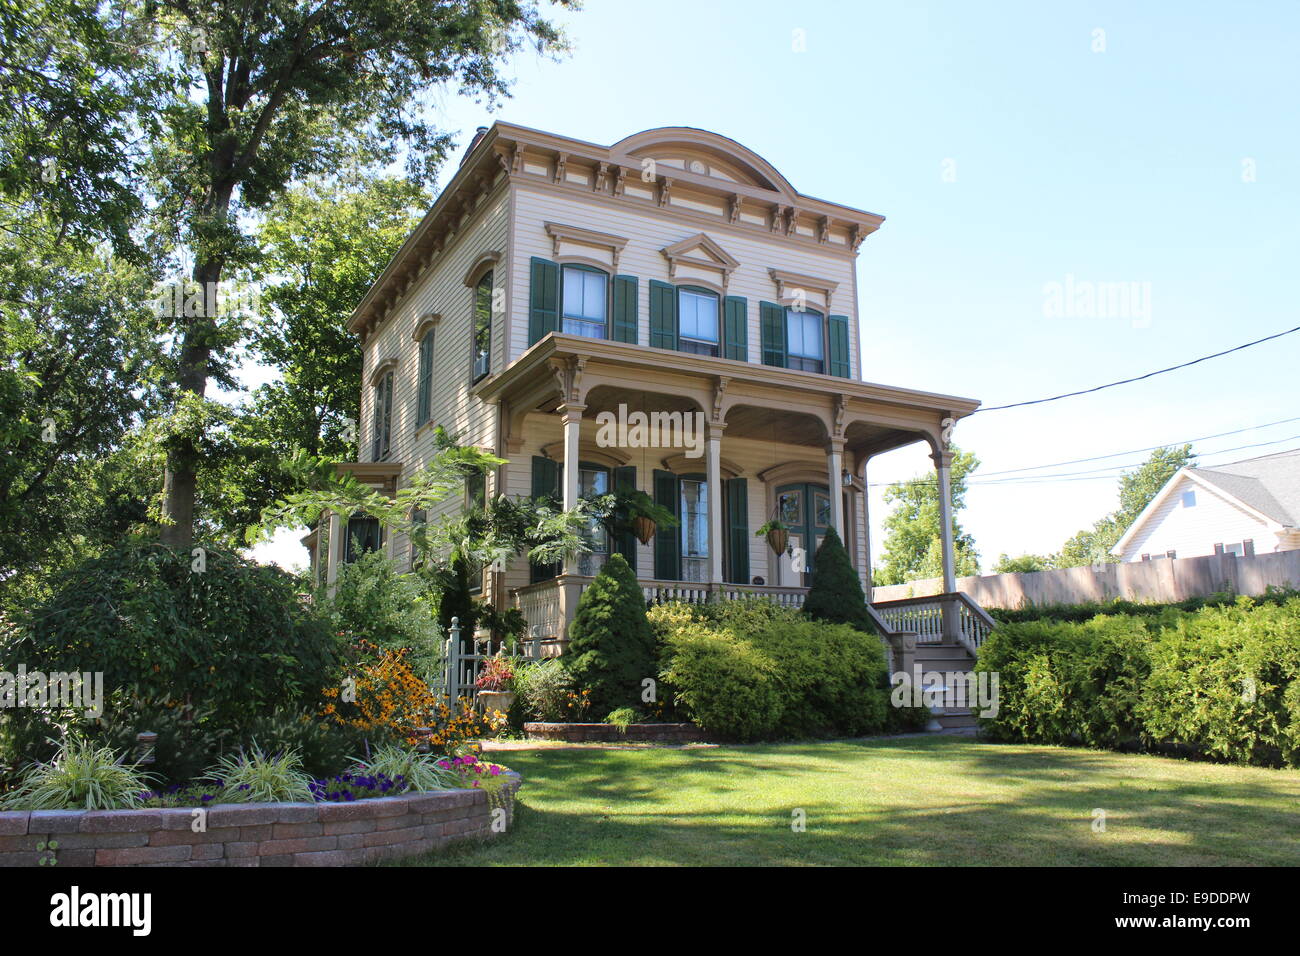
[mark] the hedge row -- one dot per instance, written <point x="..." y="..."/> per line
<point x="752" y="670"/>
<point x="1220" y="682"/>
<point x="1087" y="610"/>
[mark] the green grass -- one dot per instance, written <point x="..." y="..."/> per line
<point x="947" y="801"/>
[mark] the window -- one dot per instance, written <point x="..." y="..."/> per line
<point x="697" y="318"/>
<point x="585" y="296"/>
<point x="1189" y="499"/>
<point x="382" y="447"/>
<point x="364" y="534"/>
<point x="482" y="326"/>
<point x="592" y="482"/>
<point x="1238" y="549"/>
<point x="803" y="332"/>
<point x="695" y="530"/>
<point x="476" y="491"/>
<point x="424" y="387"/>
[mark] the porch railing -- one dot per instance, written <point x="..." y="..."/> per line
<point x="935" y="616"/>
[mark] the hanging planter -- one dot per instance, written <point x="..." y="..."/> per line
<point x="644" y="528"/>
<point x="777" y="534"/>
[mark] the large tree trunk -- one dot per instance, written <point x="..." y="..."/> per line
<point x="180" y="480"/>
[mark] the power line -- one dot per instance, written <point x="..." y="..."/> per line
<point x="1134" y="451"/>
<point x="1138" y="378"/>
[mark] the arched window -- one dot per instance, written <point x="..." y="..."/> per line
<point x="482" y="326"/>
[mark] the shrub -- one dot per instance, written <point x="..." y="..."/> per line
<point x="414" y="771"/>
<point x="749" y="671"/>
<point x="372" y="601"/>
<point x="230" y="634"/>
<point x="1220" y="682"/>
<point x="546" y="692"/>
<point x="254" y="776"/>
<point x="81" y="776"/>
<point x="611" y="647"/>
<point x="836" y="593"/>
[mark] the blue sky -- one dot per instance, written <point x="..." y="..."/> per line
<point x="1007" y="152"/>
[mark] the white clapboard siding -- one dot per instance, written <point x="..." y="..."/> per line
<point x="1191" y="532"/>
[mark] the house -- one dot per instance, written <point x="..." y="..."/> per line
<point x="559" y="294"/>
<point x="1243" y="508"/>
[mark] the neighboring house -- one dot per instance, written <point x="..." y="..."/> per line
<point x="556" y="283"/>
<point x="1243" y="508"/>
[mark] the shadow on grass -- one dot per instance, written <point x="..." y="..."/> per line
<point x="920" y="801"/>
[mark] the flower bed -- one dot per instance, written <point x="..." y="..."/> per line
<point x="611" y="733"/>
<point x="258" y="834"/>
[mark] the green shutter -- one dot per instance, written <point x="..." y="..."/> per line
<point x="546" y="484"/>
<point x="737" y="491"/>
<point x="663" y="315"/>
<point x="772" y="322"/>
<point x="424" y="399"/>
<point x="625" y="543"/>
<point x="624" y="325"/>
<point x="668" y="564"/>
<point x="735" y="328"/>
<point x="839" y="346"/>
<point x="543" y="292"/>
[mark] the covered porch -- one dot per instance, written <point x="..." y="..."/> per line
<point x="746" y="444"/>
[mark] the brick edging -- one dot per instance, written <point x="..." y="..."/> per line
<point x="609" y="733"/>
<point x="257" y="834"/>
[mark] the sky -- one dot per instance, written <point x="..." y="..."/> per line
<point x="1028" y="158"/>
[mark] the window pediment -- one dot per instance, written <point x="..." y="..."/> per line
<point x="561" y="233"/>
<point x="700" y="252"/>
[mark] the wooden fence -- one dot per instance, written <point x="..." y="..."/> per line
<point x="1164" y="580"/>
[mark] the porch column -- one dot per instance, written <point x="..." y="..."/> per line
<point x="943" y="462"/>
<point x="835" y="485"/>
<point x="866" y="533"/>
<point x="571" y="416"/>
<point x="951" y="624"/>
<point x="714" y="476"/>
<point x="333" y="554"/>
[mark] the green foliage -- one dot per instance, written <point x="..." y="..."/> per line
<point x="234" y="636"/>
<point x="81" y="776"/>
<point x="1136" y="489"/>
<point x="373" y="601"/>
<point x="1087" y="610"/>
<point x="255" y="776"/>
<point x="544" y="691"/>
<point x="611" y="647"/>
<point x="623" y="717"/>
<point x="913" y="546"/>
<point x="322" y="746"/>
<point x="752" y="670"/>
<point x="1022" y="564"/>
<point x="419" y="771"/>
<point x="1220" y="682"/>
<point x="836" y="594"/>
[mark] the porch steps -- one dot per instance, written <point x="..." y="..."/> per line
<point x="949" y="659"/>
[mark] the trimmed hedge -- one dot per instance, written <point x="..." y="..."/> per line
<point x="1087" y="610"/>
<point x="1219" y="682"/>
<point x="752" y="670"/>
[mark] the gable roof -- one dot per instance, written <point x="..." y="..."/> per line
<point x="1268" y="487"/>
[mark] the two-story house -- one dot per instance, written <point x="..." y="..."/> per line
<point x="667" y="313"/>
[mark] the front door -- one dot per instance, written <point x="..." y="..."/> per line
<point x="806" y="510"/>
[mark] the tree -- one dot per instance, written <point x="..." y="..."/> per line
<point x="1136" y="491"/>
<point x="913" y="547"/>
<point x="322" y="246"/>
<point x="836" y="594"/>
<point x="264" y="93"/>
<point x="611" y="645"/>
<point x="1022" y="563"/>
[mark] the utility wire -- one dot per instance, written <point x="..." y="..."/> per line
<point x="1138" y="378"/>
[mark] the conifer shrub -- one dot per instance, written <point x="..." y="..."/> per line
<point x="611" y="646"/>
<point x="836" y="593"/>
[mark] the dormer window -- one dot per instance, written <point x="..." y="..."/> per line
<point x="697" y="318"/>
<point x="585" y="294"/>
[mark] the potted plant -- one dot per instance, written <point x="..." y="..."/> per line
<point x="494" y="684"/>
<point x="630" y="509"/>
<point x="777" y="533"/>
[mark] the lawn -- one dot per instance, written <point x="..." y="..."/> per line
<point x="947" y="801"/>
